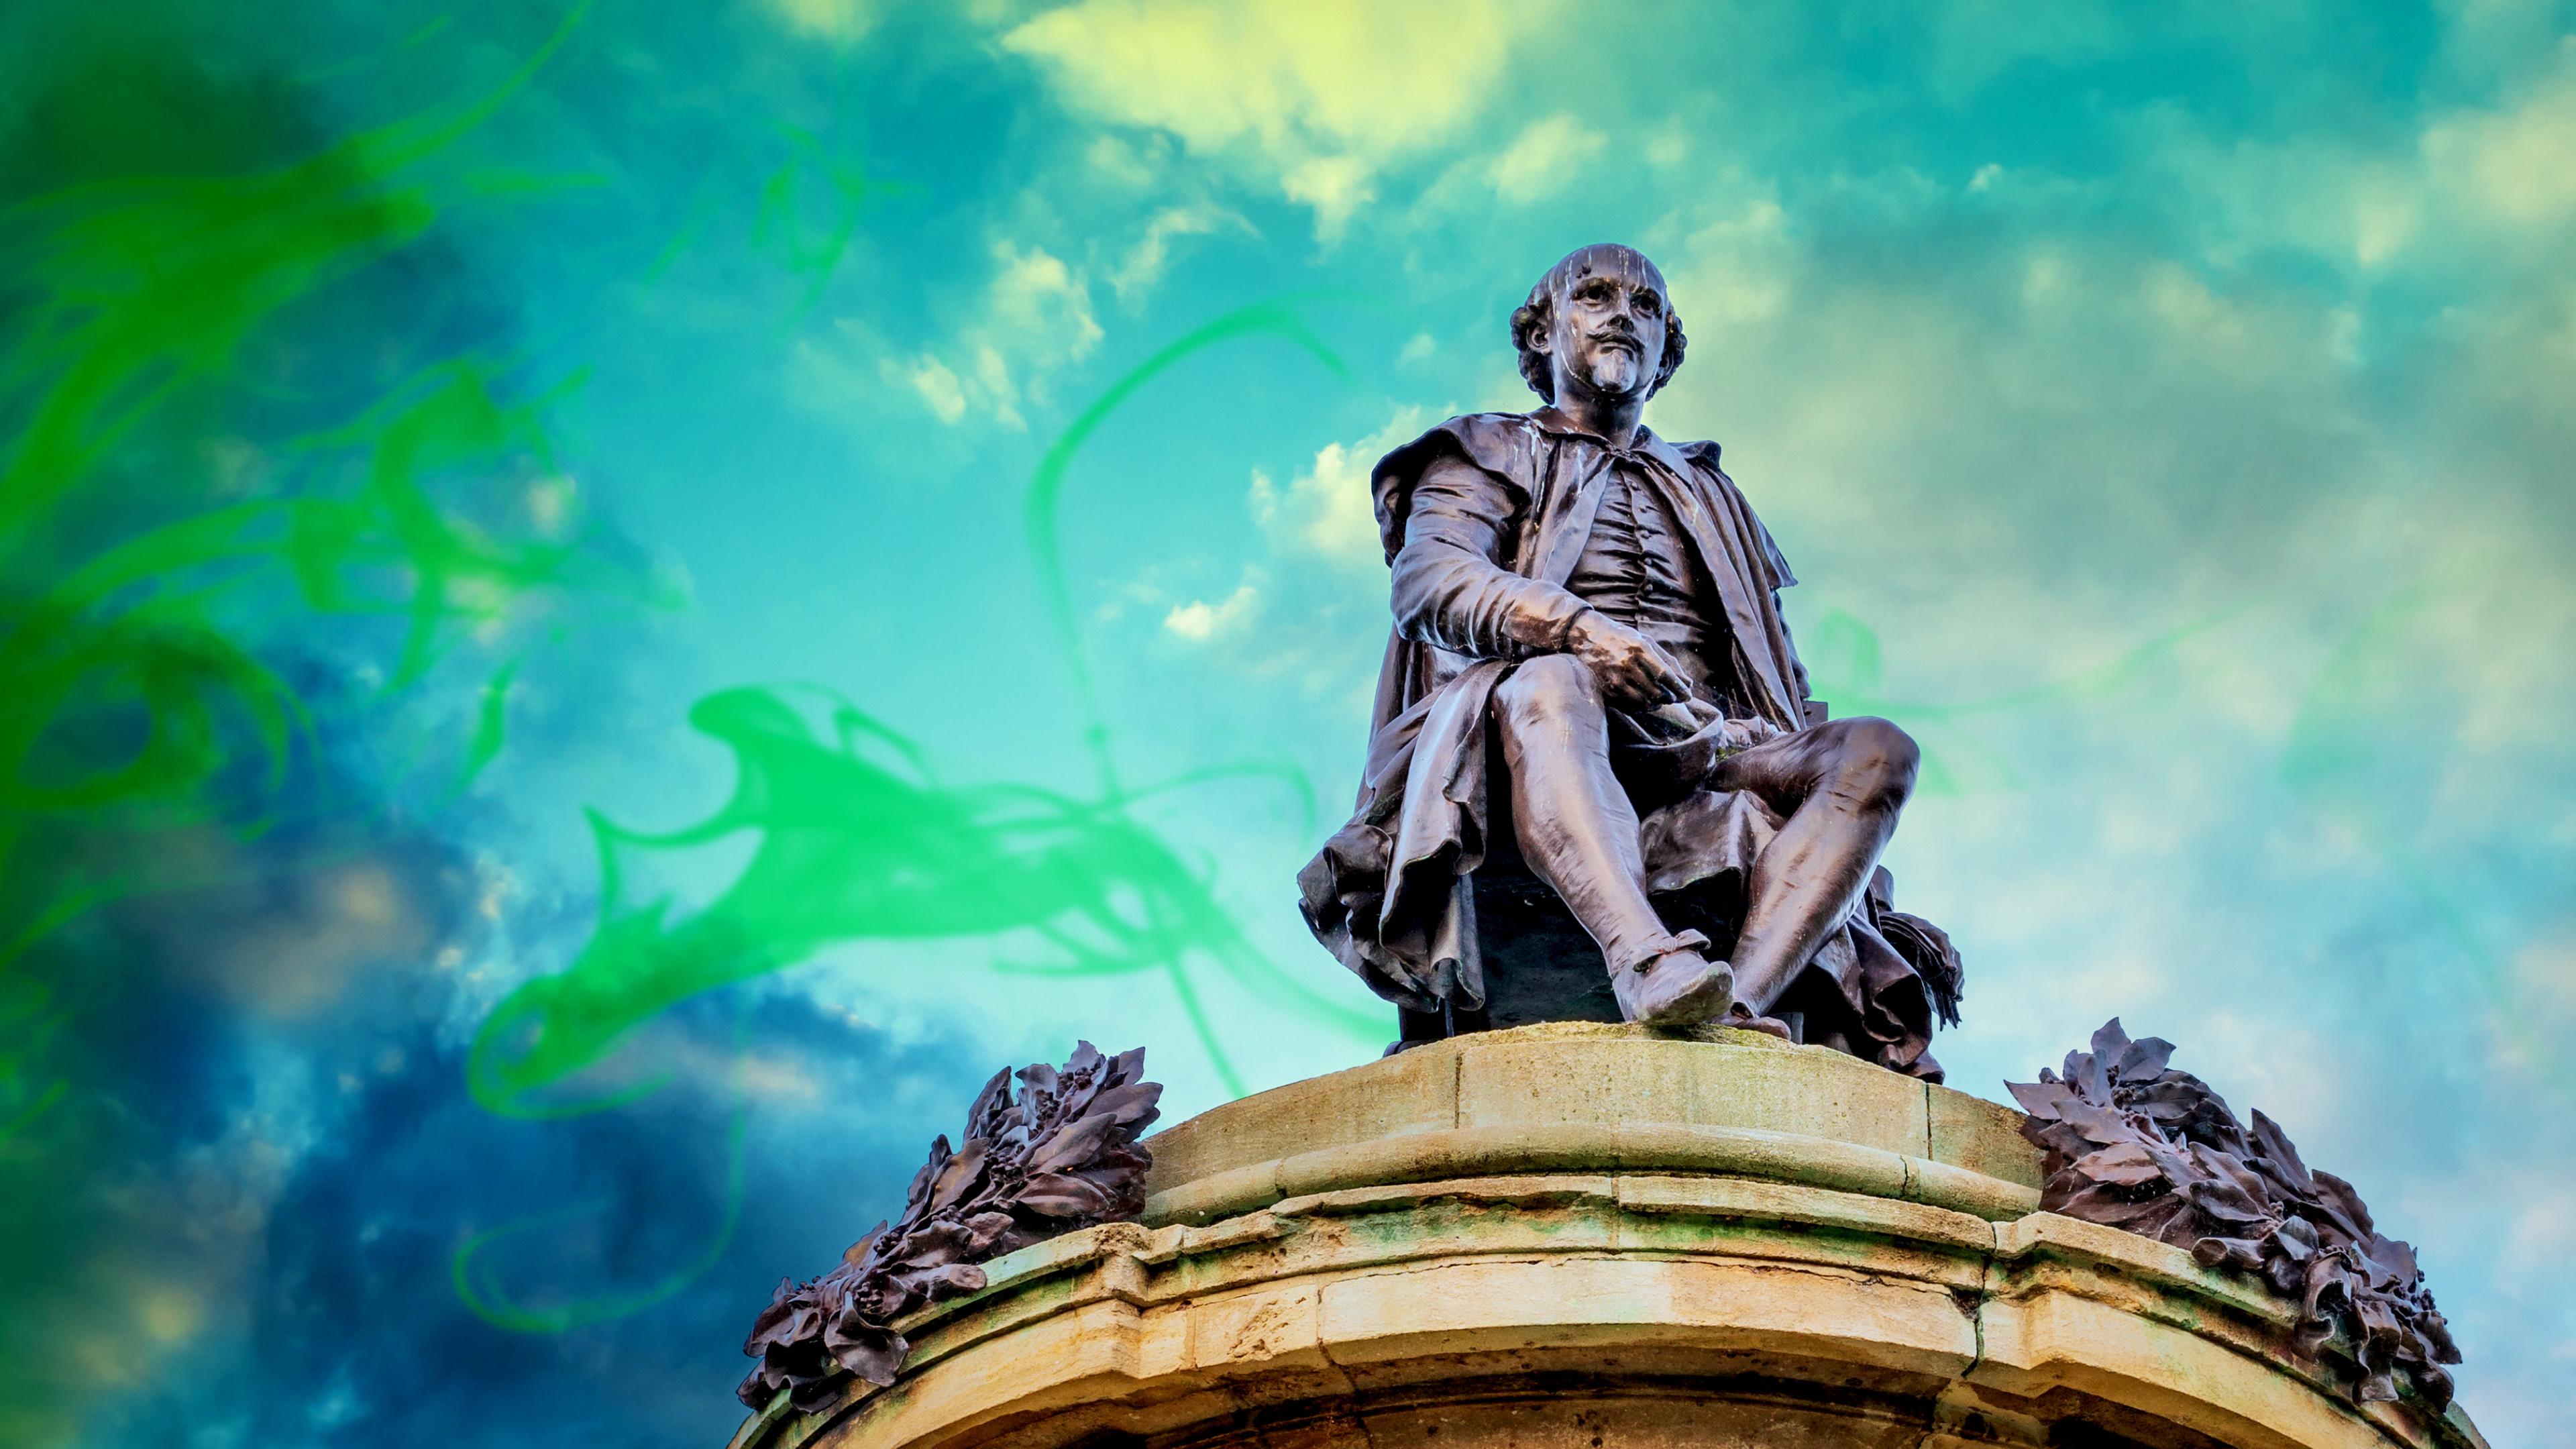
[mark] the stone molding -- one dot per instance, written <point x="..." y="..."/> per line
<point x="1409" y="1248"/>
<point x="1575" y="1096"/>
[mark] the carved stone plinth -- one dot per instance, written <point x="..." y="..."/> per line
<point x="1577" y="1236"/>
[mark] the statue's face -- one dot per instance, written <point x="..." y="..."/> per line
<point x="1607" y="332"/>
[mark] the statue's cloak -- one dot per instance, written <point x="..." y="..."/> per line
<point x="1389" y="893"/>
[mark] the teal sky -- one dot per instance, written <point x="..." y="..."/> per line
<point x="2166" y="409"/>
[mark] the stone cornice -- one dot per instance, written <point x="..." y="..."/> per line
<point x="1514" y="1228"/>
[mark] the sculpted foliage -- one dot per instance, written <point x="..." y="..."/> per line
<point x="2134" y="1144"/>
<point x="1061" y="1155"/>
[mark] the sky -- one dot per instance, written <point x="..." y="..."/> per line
<point x="604" y="608"/>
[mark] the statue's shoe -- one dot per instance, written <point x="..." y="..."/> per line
<point x="1744" y="1018"/>
<point x="1678" y="988"/>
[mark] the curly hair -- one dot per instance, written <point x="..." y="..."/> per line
<point x="1531" y="320"/>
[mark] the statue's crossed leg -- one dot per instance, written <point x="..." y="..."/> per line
<point x="1839" y="786"/>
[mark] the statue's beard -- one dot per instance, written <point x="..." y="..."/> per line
<point x="1615" y="371"/>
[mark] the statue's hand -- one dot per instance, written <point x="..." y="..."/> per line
<point x="1744" y="734"/>
<point x="1632" y="669"/>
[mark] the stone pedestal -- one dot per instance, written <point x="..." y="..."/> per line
<point x="1575" y="1237"/>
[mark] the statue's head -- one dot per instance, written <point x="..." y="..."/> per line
<point x="1599" y="319"/>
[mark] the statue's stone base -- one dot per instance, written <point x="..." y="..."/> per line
<point x="1579" y="1236"/>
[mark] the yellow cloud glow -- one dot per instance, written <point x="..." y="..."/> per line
<point x="838" y="21"/>
<point x="1322" y="94"/>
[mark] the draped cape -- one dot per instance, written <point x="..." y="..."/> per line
<point x="1390" y="894"/>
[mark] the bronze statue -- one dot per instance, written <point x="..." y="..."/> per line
<point x="1602" y="605"/>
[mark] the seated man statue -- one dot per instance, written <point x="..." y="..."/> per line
<point x="1602" y="605"/>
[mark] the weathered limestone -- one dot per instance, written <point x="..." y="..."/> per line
<point x="1570" y="1235"/>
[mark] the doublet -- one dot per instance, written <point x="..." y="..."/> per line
<point x="1636" y="568"/>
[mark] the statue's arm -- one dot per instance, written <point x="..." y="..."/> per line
<point x="1451" y="587"/>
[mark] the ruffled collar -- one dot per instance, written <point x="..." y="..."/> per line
<point x="1552" y="419"/>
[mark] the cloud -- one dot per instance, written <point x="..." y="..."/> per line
<point x="1199" y="621"/>
<point x="1317" y="96"/>
<point x="1036" y="296"/>
<point x="210" y="1035"/>
<point x="2512" y="161"/>
<point x="1326" y="510"/>
<point x="1037" y="317"/>
<point x="1314" y="614"/>
<point x="346" y="1331"/>
<point x="1335" y="186"/>
<point x="1978" y="431"/>
<point x="937" y="385"/>
<point x="837" y="21"/>
<point x="1545" y="158"/>
<point x="1143" y="265"/>
<point x="2459" y="193"/>
<point x="1740" y="268"/>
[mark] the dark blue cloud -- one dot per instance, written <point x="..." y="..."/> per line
<point x="350" y="1333"/>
